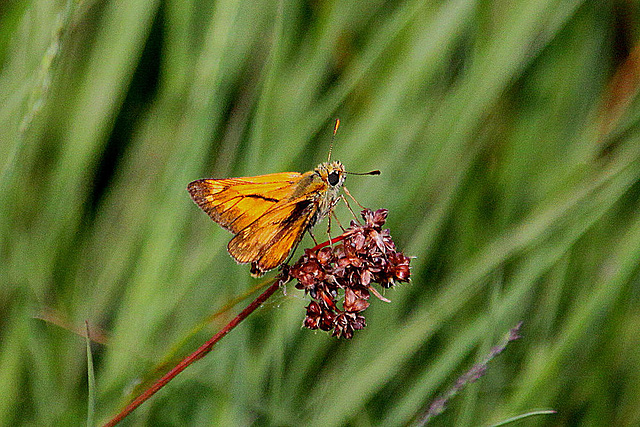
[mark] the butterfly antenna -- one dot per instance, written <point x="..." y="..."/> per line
<point x="335" y="130"/>
<point x="375" y="172"/>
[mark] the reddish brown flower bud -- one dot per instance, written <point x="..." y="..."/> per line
<point x="355" y="300"/>
<point x="313" y="315"/>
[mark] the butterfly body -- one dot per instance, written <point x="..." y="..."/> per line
<point x="269" y="214"/>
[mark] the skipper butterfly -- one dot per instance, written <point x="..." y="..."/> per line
<point x="269" y="214"/>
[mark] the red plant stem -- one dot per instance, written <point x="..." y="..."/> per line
<point x="329" y="242"/>
<point x="200" y="352"/>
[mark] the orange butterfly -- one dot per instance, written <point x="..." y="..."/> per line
<point x="270" y="213"/>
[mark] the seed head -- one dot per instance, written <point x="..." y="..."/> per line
<point x="346" y="271"/>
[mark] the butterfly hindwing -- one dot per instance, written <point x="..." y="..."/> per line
<point x="267" y="241"/>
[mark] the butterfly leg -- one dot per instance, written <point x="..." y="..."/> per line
<point x="332" y="212"/>
<point x="329" y="229"/>
<point x="346" y="202"/>
<point x="346" y="191"/>
<point x="338" y="221"/>
<point x="312" y="236"/>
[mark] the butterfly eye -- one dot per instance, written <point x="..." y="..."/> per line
<point x="333" y="178"/>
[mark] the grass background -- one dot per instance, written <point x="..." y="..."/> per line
<point x="507" y="136"/>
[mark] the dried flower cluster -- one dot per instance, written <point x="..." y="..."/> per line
<point x="366" y="255"/>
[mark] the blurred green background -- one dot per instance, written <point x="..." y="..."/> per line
<point x="507" y="136"/>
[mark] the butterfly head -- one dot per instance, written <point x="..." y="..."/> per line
<point x="332" y="173"/>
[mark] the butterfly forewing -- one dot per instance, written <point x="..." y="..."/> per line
<point x="235" y="203"/>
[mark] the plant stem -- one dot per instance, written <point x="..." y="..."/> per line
<point x="329" y="242"/>
<point x="281" y="279"/>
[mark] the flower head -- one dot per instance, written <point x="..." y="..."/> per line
<point x="346" y="271"/>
